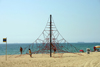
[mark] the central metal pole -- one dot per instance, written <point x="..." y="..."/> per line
<point x="50" y="34"/>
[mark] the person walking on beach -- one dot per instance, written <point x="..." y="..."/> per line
<point x="30" y="53"/>
<point x="21" y="49"/>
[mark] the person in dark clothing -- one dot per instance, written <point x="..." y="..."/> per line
<point x="54" y="48"/>
<point x="21" y="49"/>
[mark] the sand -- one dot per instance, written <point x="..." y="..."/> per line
<point x="58" y="60"/>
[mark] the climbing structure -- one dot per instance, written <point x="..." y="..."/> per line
<point x="42" y="43"/>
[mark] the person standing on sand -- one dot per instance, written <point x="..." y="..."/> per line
<point x="94" y="48"/>
<point x="54" y="48"/>
<point x="30" y="53"/>
<point x="21" y="49"/>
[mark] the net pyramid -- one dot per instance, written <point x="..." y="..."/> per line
<point x="42" y="43"/>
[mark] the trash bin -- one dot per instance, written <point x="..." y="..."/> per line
<point x="88" y="50"/>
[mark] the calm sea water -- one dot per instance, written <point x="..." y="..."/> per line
<point x="14" y="48"/>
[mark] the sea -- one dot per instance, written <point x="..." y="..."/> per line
<point x="14" y="48"/>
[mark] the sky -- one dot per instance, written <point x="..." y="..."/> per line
<point x="22" y="21"/>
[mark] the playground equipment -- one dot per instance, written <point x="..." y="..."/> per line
<point x="51" y="41"/>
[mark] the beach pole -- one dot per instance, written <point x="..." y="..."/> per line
<point x="50" y="35"/>
<point x="6" y="48"/>
<point x="5" y="40"/>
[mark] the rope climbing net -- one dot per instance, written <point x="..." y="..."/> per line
<point x="42" y="43"/>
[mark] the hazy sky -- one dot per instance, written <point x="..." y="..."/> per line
<point x="22" y="21"/>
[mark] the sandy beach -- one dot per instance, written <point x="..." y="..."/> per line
<point x="57" y="60"/>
